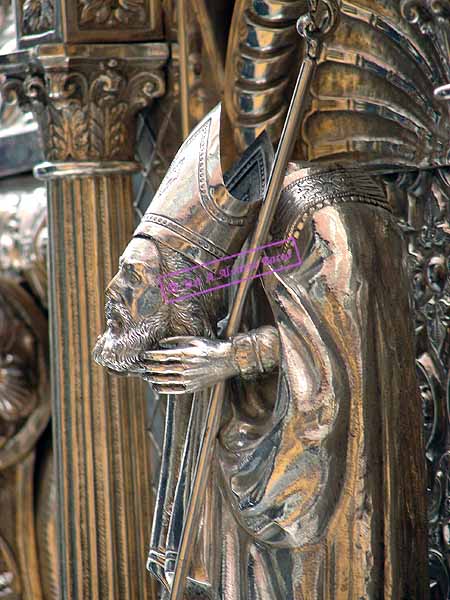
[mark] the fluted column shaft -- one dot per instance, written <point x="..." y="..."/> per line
<point x="100" y="439"/>
<point x="85" y="99"/>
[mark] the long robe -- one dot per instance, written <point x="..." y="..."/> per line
<point x="317" y="489"/>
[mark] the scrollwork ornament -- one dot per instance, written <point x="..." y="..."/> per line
<point x="143" y="87"/>
<point x="440" y="8"/>
<point x="414" y="11"/>
<point x="427" y="227"/>
<point x="14" y="92"/>
<point x="432" y="19"/>
<point x="24" y="407"/>
<point x="422" y="11"/>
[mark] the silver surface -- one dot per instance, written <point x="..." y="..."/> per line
<point x="291" y="485"/>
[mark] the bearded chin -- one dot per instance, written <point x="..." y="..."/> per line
<point x="120" y="352"/>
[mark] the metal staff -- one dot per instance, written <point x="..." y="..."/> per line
<point x="314" y="31"/>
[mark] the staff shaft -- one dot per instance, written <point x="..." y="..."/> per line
<point x="285" y="146"/>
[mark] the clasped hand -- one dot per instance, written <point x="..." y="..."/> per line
<point x="187" y="364"/>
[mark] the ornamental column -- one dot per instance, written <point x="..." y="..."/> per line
<point x="85" y="98"/>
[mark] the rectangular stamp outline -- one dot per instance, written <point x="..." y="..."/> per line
<point x="219" y="260"/>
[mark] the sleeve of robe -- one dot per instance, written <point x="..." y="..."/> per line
<point x="327" y="452"/>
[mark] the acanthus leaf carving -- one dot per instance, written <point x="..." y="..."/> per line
<point x="108" y="14"/>
<point x="117" y="132"/>
<point x="97" y="132"/>
<point x="68" y="131"/>
<point x="96" y="11"/>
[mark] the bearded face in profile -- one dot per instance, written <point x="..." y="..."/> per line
<point x="137" y="316"/>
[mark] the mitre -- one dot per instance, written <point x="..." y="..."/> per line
<point x="199" y="211"/>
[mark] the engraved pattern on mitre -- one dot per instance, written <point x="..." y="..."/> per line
<point x="198" y="210"/>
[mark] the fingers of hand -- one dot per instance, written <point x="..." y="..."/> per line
<point x="179" y="382"/>
<point x="167" y="356"/>
<point x="169" y="379"/>
<point x="170" y="389"/>
<point x="172" y="368"/>
<point x="189" y="340"/>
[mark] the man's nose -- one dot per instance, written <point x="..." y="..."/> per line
<point x="113" y="289"/>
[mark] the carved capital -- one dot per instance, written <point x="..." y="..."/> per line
<point x="85" y="98"/>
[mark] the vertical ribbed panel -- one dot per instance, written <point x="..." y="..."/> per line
<point x="98" y="419"/>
